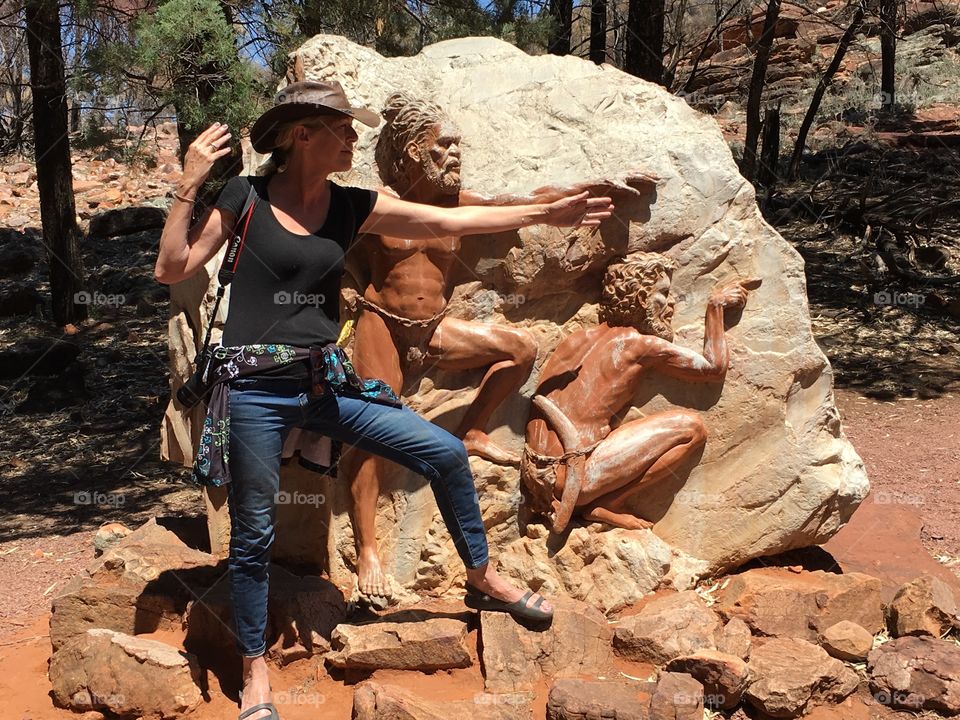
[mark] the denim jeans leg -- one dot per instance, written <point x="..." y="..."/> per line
<point x="402" y="436"/>
<point x="257" y="428"/>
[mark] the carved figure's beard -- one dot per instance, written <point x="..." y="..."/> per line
<point x="641" y="319"/>
<point x="446" y="179"/>
<point x="656" y="325"/>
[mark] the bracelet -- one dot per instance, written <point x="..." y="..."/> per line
<point x="181" y="198"/>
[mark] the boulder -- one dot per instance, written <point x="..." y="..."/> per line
<point x="735" y="638"/>
<point x="677" y="697"/>
<point x="427" y="645"/>
<point x="529" y="121"/>
<point x="789" y="676"/>
<point x="124" y="221"/>
<point x="847" y="641"/>
<point x="516" y="658"/>
<point x="724" y="677"/>
<point x="302" y="614"/>
<point x="916" y="673"/>
<point x="925" y="606"/>
<point x="141" y="584"/>
<point x="667" y="627"/>
<point x="574" y="699"/>
<point x="373" y="701"/>
<point x="124" y="675"/>
<point x="107" y="536"/>
<point x="779" y="603"/>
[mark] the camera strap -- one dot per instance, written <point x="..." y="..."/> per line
<point x="228" y="267"/>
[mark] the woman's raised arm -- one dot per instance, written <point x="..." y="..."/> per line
<point x="185" y="249"/>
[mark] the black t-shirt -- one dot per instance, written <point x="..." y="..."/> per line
<point x="287" y="286"/>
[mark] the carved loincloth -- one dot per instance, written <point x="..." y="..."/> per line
<point x="539" y="473"/>
<point x="411" y="337"/>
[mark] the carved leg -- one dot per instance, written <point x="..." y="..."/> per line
<point x="374" y="356"/>
<point x="509" y="353"/>
<point x="634" y="457"/>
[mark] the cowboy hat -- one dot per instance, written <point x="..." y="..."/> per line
<point x="301" y="100"/>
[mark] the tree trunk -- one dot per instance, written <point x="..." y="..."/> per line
<point x="562" y="13"/>
<point x="748" y="166"/>
<point x="770" y="148"/>
<point x="598" y="31"/>
<point x="58" y="213"/>
<point x="644" y="57"/>
<point x="822" y="86"/>
<point x="888" y="52"/>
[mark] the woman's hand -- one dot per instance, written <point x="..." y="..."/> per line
<point x="210" y="145"/>
<point x="577" y="211"/>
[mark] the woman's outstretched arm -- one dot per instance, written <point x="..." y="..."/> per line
<point x="399" y="218"/>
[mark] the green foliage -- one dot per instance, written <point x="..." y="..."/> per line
<point x="185" y="55"/>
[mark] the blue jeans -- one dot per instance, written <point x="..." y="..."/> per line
<point x="259" y="422"/>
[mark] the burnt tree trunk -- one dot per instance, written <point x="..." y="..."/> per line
<point x="770" y="148"/>
<point x="598" y="31"/>
<point x="822" y="86"/>
<point x="888" y="52"/>
<point x="562" y="13"/>
<point x="644" y="56"/>
<point x="58" y="213"/>
<point x="748" y="166"/>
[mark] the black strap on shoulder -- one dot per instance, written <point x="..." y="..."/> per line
<point x="228" y="268"/>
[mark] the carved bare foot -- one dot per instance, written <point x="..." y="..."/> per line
<point x="620" y="520"/>
<point x="371" y="579"/>
<point x="479" y="444"/>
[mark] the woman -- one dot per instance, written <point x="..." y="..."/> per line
<point x="285" y="256"/>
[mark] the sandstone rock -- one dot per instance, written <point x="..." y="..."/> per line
<point x="677" y="697"/>
<point x="108" y="535"/>
<point x="562" y="120"/>
<point x="925" y="606"/>
<point x="667" y="627"/>
<point x="788" y="676"/>
<point x="302" y="614"/>
<point x="435" y="644"/>
<point x="847" y="641"/>
<point x="782" y="604"/>
<point x="373" y="701"/>
<point x="124" y="221"/>
<point x="515" y="658"/>
<point x="571" y="699"/>
<point x="141" y="584"/>
<point x="735" y="638"/>
<point x="125" y="675"/>
<point x="724" y="677"/>
<point x="916" y="673"/>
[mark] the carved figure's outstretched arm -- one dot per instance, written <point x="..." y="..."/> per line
<point x="711" y="366"/>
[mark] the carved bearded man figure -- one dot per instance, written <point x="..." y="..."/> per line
<point x="576" y="457"/>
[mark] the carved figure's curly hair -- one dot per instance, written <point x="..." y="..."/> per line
<point x="407" y="120"/>
<point x="626" y="288"/>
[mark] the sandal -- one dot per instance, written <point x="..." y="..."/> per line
<point x="478" y="600"/>
<point x="274" y="715"/>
